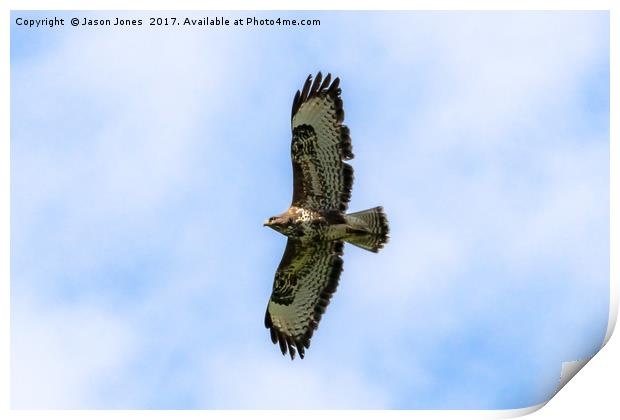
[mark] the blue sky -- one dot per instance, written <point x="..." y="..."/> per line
<point x="144" y="161"/>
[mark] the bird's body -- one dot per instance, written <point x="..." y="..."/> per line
<point x="308" y="225"/>
<point x="316" y="223"/>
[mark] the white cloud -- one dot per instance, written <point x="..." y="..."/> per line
<point x="62" y="356"/>
<point x="240" y="380"/>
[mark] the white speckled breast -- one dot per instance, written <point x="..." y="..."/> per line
<point x="311" y="225"/>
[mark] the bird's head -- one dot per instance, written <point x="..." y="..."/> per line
<point x="278" y="223"/>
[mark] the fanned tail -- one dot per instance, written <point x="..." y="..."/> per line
<point x="368" y="229"/>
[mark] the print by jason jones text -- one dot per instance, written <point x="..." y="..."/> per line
<point x="172" y="21"/>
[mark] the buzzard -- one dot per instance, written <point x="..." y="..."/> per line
<point x="316" y="223"/>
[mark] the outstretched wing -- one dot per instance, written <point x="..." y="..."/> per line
<point x="304" y="283"/>
<point x="321" y="180"/>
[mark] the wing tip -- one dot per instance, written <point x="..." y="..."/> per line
<point x="287" y="344"/>
<point x="318" y="85"/>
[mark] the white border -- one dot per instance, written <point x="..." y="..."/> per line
<point x="311" y="5"/>
<point x="593" y="384"/>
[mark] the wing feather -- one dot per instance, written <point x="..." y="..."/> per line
<point x="320" y="144"/>
<point x="326" y="81"/>
<point x="306" y="88"/>
<point x="304" y="283"/>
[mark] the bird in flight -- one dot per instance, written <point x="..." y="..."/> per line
<point x="316" y="224"/>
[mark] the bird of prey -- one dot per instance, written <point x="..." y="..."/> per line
<point x="316" y="223"/>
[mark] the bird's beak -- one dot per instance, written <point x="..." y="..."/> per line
<point x="266" y="223"/>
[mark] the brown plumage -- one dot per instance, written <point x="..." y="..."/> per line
<point x="316" y="223"/>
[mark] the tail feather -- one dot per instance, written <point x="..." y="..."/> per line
<point x="369" y="229"/>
